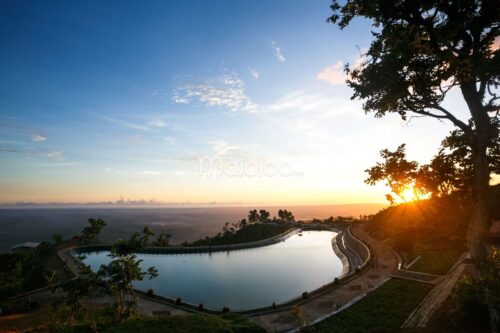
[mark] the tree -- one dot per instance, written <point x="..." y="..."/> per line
<point x="57" y="238"/>
<point x="163" y="239"/>
<point x="253" y="216"/>
<point x="285" y="215"/>
<point x="92" y="231"/>
<point x="80" y="289"/>
<point x="421" y="51"/>
<point x="397" y="172"/>
<point x="120" y="274"/>
<point x="264" y="215"/>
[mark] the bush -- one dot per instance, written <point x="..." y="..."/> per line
<point x="200" y="307"/>
<point x="178" y="301"/>
<point x="305" y="294"/>
<point x="469" y="305"/>
<point x="225" y="309"/>
<point x="151" y="292"/>
<point x="336" y="281"/>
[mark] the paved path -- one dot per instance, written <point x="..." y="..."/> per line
<point x="342" y="296"/>
<point x="421" y="315"/>
<point x="418" y="276"/>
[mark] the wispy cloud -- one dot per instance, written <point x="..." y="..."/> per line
<point x="53" y="154"/>
<point x="49" y="154"/>
<point x="222" y="148"/>
<point x="277" y="51"/>
<point x="157" y="123"/>
<point x="115" y="171"/>
<point x="300" y="101"/>
<point x="145" y="125"/>
<point x="170" y="140"/>
<point x="58" y="164"/>
<point x="333" y="74"/>
<point x="126" y="124"/>
<point x="255" y="73"/>
<point x="151" y="173"/>
<point x="38" y="138"/>
<point x="227" y="91"/>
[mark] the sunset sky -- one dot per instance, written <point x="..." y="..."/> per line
<point x="201" y="101"/>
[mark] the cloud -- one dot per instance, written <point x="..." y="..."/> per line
<point x="49" y="154"/>
<point x="169" y="140"/>
<point x="145" y="125"/>
<point x="309" y="113"/>
<point x="277" y="51"/>
<point x="227" y="91"/>
<point x="126" y="124"/>
<point x="255" y="73"/>
<point x="38" y="138"/>
<point x="151" y="173"/>
<point x="157" y="123"/>
<point x="222" y="148"/>
<point x="115" y="171"/>
<point x="54" y="154"/>
<point x="306" y="102"/>
<point x="333" y="74"/>
<point x="60" y="164"/>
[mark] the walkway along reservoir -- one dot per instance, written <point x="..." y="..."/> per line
<point x="242" y="279"/>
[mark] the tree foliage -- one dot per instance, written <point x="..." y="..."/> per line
<point x="91" y="232"/>
<point x="120" y="274"/>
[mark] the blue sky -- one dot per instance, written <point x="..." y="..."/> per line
<point x="200" y="101"/>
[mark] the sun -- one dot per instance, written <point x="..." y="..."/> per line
<point x="409" y="194"/>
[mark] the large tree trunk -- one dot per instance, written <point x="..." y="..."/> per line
<point x="479" y="226"/>
<point x="481" y="222"/>
<point x="481" y="219"/>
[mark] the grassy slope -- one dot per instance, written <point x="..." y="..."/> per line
<point x="179" y="324"/>
<point x="383" y="310"/>
<point x="436" y="258"/>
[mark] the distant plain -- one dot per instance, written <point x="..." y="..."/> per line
<point x="186" y="223"/>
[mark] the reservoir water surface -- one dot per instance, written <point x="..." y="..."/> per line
<point x="242" y="279"/>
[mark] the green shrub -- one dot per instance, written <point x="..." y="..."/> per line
<point x="468" y="303"/>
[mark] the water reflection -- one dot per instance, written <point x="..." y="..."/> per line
<point x="243" y="279"/>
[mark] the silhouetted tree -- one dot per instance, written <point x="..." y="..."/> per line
<point x="264" y="215"/>
<point x="163" y="239"/>
<point x="92" y="231"/>
<point x="397" y="172"/>
<point x="420" y="52"/>
<point x="285" y="215"/>
<point x="253" y="216"/>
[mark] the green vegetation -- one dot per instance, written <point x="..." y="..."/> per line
<point x="228" y="323"/>
<point x="242" y="234"/>
<point x="436" y="258"/>
<point x="22" y="272"/>
<point x="420" y="55"/>
<point x="434" y="229"/>
<point x="91" y="233"/>
<point x="187" y="324"/>
<point x="383" y="310"/>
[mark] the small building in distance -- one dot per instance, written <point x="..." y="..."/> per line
<point x="26" y="247"/>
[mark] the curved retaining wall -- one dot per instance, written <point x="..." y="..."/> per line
<point x="194" y="249"/>
<point x="344" y="236"/>
<point x="358" y="247"/>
